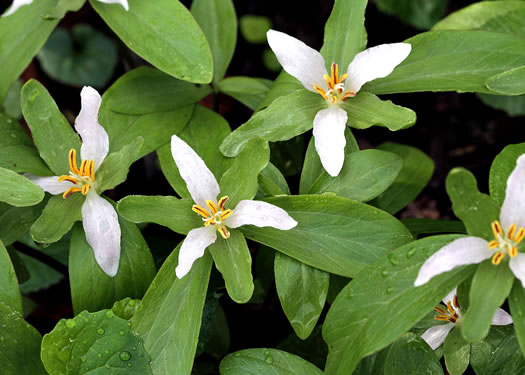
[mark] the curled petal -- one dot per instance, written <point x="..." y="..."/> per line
<point x="513" y="208"/>
<point x="260" y="214"/>
<point x="329" y="137"/>
<point x="304" y="63"/>
<point x="50" y="184"/>
<point x="14" y="7"/>
<point x="201" y="183"/>
<point x="124" y="3"/>
<point x="375" y="62"/>
<point x="501" y="318"/>
<point x="193" y="248"/>
<point x="100" y="222"/>
<point x="517" y="265"/>
<point x="435" y="336"/>
<point x="460" y="252"/>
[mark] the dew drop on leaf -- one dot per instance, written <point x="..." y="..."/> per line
<point x="125" y="356"/>
<point x="100" y="331"/>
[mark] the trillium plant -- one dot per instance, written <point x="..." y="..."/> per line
<point x="238" y="194"/>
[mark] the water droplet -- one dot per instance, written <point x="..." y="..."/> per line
<point x="70" y="323"/>
<point x="134" y="348"/>
<point x="130" y="364"/>
<point x="410" y="253"/>
<point x="100" y="331"/>
<point x="268" y="359"/>
<point x="86" y="320"/>
<point x="122" y="333"/>
<point x="392" y="258"/>
<point x="109" y="314"/>
<point x="83" y="359"/>
<point x="266" y="352"/>
<point x="389" y="290"/>
<point x="106" y="351"/>
<point x="132" y="303"/>
<point x="99" y="355"/>
<point x="125" y="356"/>
<point x="384" y="273"/>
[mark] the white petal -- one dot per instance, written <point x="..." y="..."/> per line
<point x="329" y="137"/>
<point x="124" y="3"/>
<point x="501" y="318"/>
<point x="193" y="248"/>
<point x="50" y="184"/>
<point x="100" y="222"/>
<point x="517" y="265"/>
<point x="304" y="63"/>
<point x="375" y="62"/>
<point x="201" y="183"/>
<point x="14" y="7"/>
<point x="513" y="208"/>
<point x="468" y="250"/>
<point x="95" y="141"/>
<point x="450" y="297"/>
<point x="434" y="336"/>
<point x="260" y="214"/>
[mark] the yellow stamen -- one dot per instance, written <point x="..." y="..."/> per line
<point x="510" y="232"/>
<point x="222" y="202"/>
<point x="456" y="303"/>
<point x="68" y="178"/>
<point x="85" y="189"/>
<point x="450" y="308"/>
<point x="212" y="207"/>
<point x="70" y="191"/>
<point x="513" y="251"/>
<point x="225" y="214"/>
<point x="320" y="91"/>
<point x="519" y="236"/>
<point x="443" y="318"/>
<point x="224" y="232"/>
<point x="441" y="310"/>
<point x="496" y="229"/>
<point x="497" y="258"/>
<point x="73" y="161"/>
<point x="493" y="244"/>
<point x="201" y="211"/>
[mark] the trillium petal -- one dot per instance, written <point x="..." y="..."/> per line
<point x="304" y="63"/>
<point x="261" y="214"/>
<point x="468" y="250"/>
<point x="501" y="318"/>
<point x="517" y="265"/>
<point x="14" y="7"/>
<point x="329" y="137"/>
<point x="513" y="208"/>
<point x="124" y="3"/>
<point x="50" y="184"/>
<point x="95" y="141"/>
<point x="435" y="336"/>
<point x="201" y="183"/>
<point x="450" y="297"/>
<point x="375" y="62"/>
<point x="100" y="222"/>
<point x="193" y="248"/>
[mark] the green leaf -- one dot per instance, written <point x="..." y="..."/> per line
<point x="517" y="309"/>
<point x="17" y="190"/>
<point x="168" y="299"/>
<point x="501" y="168"/>
<point x="92" y="341"/>
<point x="218" y="21"/>
<point x="285" y="118"/>
<point x="234" y="261"/>
<point x="91" y="288"/>
<point x="22" y="34"/>
<point x="475" y="209"/>
<point x="490" y="287"/>
<point x="115" y="167"/>
<point x="432" y="226"/>
<point x="11" y="102"/>
<point x="16" y="221"/>
<point x="283" y="85"/>
<point x="437" y="64"/>
<point x="364" y="176"/>
<point x="334" y="234"/>
<point x="249" y="91"/>
<point x="483" y="351"/>
<point x="266" y="362"/>
<point x="126" y="308"/>
<point x="165" y="34"/>
<point x="64" y="6"/>
<point x="414" y="176"/>
<point x="344" y="33"/>
<point x="512" y="105"/>
<point x="510" y="82"/>
<point x="19" y="346"/>
<point x="254" y="28"/>
<point x="366" y="110"/>
<point x="302" y="291"/>
<point x="9" y="290"/>
<point x="419" y="14"/>
<point x="506" y="359"/>
<point x="41" y="276"/>
<point x="457" y="352"/>
<point x="83" y="56"/>
<point x="381" y="303"/>
<point x="272" y="181"/>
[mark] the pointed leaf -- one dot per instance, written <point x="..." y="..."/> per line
<point x="457" y="352"/>
<point x="501" y="168"/>
<point x="16" y="221"/>
<point x="509" y="82"/>
<point x="517" y="310"/>
<point x="9" y="290"/>
<point x="17" y="190"/>
<point x="249" y="91"/>
<point x="272" y="181"/>
<point x="283" y="85"/>
<point x="421" y="15"/>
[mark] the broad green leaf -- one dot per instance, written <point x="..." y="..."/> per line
<point x="234" y="261"/>
<point x="475" y="209"/>
<point x="19" y="346"/>
<point x="411" y="355"/>
<point x="511" y="82"/>
<point x="9" y="290"/>
<point x="419" y="14"/>
<point x="126" y="308"/>
<point x="17" y="190"/>
<point x="414" y="176"/>
<point x="53" y="135"/>
<point x="11" y="102"/>
<point x="58" y="217"/>
<point x="285" y="118"/>
<point x="364" y="176"/>
<point x="457" y="352"/>
<point x="249" y="91"/>
<point x="366" y="110"/>
<point x="254" y="28"/>
<point x="94" y="343"/>
<point x="272" y="181"/>
<point x="302" y="291"/>
<point x="344" y="33"/>
<point x="501" y="168"/>
<point x="218" y="21"/>
<point x="432" y="226"/>
<point x="64" y="6"/>
<point x="381" y="303"/>
<point x="168" y="299"/>
<point x="313" y="349"/>
<point x="22" y="34"/>
<point x="512" y="105"/>
<point x="83" y="56"/>
<point x="437" y="64"/>
<point x="91" y="288"/>
<point x="482" y="351"/>
<point x="517" y="310"/>
<point x="506" y="359"/>
<point x="16" y="221"/>
<point x="165" y="34"/>
<point x="490" y="287"/>
<point x="334" y="234"/>
<point x="283" y="85"/>
<point x="266" y="362"/>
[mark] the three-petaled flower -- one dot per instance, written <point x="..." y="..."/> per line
<point x="508" y="232"/>
<point x="204" y="189"/>
<point x="308" y="66"/>
<point x="19" y="3"/>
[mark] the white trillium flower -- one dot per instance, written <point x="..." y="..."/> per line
<point x="473" y="250"/>
<point x="204" y="189"/>
<point x="435" y="336"/>
<point x="308" y="66"/>
<point x="19" y="3"/>
<point x="99" y="218"/>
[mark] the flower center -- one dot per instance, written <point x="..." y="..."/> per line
<point x="336" y="87"/>
<point x="83" y="178"/>
<point x="452" y="314"/>
<point x="505" y="244"/>
<point x="215" y="216"/>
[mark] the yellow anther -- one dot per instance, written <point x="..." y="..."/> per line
<point x="456" y="302"/>
<point x="440" y="310"/>
<point x="85" y="189"/>
<point x="68" y="178"/>
<point x="443" y="318"/>
<point x="222" y="202"/>
<point x="496" y="229"/>
<point x="224" y="232"/>
<point x="73" y="161"/>
<point x="225" y="214"/>
<point x="320" y="91"/>
<point x="510" y="232"/>
<point x="497" y="258"/>
<point x="519" y="236"/>
<point x="493" y="244"/>
<point x="450" y="308"/>
<point x="212" y="206"/>
<point x="201" y="211"/>
<point x="70" y="191"/>
<point x="513" y="251"/>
